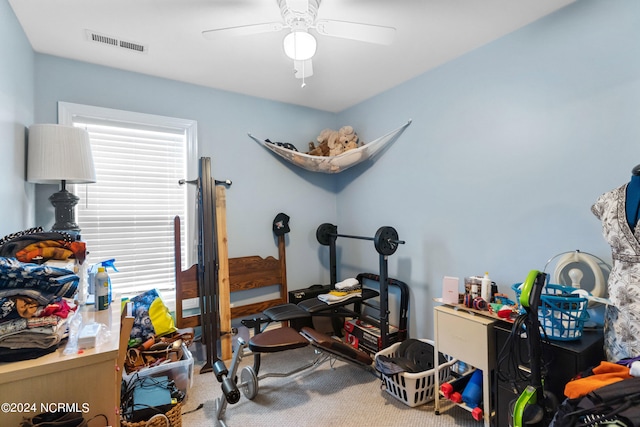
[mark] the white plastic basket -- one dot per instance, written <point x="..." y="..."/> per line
<point x="413" y="389"/>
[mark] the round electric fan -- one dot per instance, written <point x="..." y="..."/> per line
<point x="582" y="270"/>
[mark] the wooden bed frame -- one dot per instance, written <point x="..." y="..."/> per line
<point x="244" y="273"/>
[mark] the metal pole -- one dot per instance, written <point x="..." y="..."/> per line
<point x="384" y="302"/>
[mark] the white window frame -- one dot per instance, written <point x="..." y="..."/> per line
<point x="70" y="113"/>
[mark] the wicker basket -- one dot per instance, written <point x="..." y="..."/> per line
<point x="171" y="418"/>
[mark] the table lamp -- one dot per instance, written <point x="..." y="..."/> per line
<point x="60" y="154"/>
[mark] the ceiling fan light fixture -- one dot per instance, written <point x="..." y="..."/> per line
<point x="299" y="45"/>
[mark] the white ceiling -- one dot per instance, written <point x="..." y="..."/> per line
<point x="428" y="34"/>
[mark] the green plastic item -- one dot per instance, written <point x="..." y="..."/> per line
<point x="528" y="397"/>
<point x="527" y="286"/>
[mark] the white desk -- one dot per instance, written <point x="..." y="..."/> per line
<point x="89" y="379"/>
<point x="469" y="337"/>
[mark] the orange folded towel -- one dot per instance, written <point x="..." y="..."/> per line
<point x="603" y="374"/>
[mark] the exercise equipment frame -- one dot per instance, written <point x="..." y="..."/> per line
<point x="386" y="242"/>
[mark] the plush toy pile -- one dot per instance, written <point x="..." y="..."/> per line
<point x="333" y="142"/>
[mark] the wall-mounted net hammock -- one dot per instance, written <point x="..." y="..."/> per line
<point x="334" y="164"/>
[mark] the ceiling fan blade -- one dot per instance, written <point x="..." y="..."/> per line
<point x="243" y="30"/>
<point x="352" y="30"/>
<point x="303" y="69"/>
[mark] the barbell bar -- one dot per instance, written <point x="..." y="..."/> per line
<point x="385" y="240"/>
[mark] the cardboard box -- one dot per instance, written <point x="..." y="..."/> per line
<point x="367" y="337"/>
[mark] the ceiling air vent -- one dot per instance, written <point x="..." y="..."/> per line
<point x="132" y="46"/>
<point x="93" y="36"/>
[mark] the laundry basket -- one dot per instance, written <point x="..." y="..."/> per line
<point x="561" y="313"/>
<point x="413" y="389"/>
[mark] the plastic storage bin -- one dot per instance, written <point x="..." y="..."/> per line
<point x="181" y="372"/>
<point x="561" y="314"/>
<point x="413" y="389"/>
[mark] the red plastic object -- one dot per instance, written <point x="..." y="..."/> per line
<point x="477" y="413"/>
<point x="447" y="390"/>
<point x="505" y="312"/>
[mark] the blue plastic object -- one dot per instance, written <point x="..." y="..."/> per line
<point x="561" y="313"/>
<point x="472" y="394"/>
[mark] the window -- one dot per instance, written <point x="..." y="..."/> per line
<point x="127" y="215"/>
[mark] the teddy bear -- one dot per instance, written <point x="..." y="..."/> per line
<point x="348" y="138"/>
<point x="334" y="142"/>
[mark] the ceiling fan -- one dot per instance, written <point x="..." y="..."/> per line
<point x="299" y="16"/>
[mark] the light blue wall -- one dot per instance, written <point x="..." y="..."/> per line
<point x="509" y="147"/>
<point x="263" y="185"/>
<point x="16" y="114"/>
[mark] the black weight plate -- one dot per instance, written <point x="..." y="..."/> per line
<point x="324" y="232"/>
<point x="406" y="364"/>
<point x="385" y="240"/>
<point x="421" y="354"/>
<point x="402" y="348"/>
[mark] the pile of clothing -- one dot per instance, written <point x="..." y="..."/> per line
<point x="607" y="394"/>
<point x="348" y="288"/>
<point x="37" y="277"/>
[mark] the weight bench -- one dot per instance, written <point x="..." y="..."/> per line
<point x="316" y="307"/>
<point x="299" y="315"/>
<point x="386" y="243"/>
<point x="274" y="341"/>
<point x="308" y="308"/>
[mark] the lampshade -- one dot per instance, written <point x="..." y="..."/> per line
<point x="59" y="153"/>
<point x="299" y="45"/>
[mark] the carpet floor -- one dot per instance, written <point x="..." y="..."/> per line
<point x="339" y="394"/>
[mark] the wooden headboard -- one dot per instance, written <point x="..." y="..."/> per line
<point x="245" y="273"/>
<point x="253" y="272"/>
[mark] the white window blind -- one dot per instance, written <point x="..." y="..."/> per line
<point x="127" y="215"/>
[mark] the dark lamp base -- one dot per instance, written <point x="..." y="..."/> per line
<point x="64" y="203"/>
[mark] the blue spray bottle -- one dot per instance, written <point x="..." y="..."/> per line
<point x="93" y="270"/>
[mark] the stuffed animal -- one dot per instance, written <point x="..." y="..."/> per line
<point x="348" y="138"/>
<point x="334" y="142"/>
<point x="321" y="150"/>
